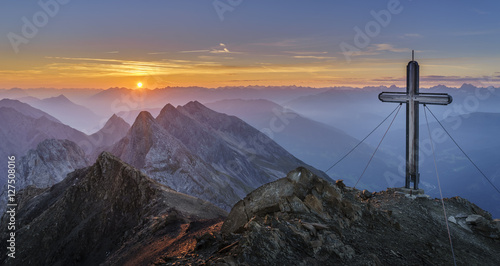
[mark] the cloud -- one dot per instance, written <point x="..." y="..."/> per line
<point x="476" y="33"/>
<point x="216" y="51"/>
<point x="390" y="48"/>
<point x="411" y="36"/>
<point x="207" y="57"/>
<point x="282" y="43"/>
<point x="220" y="49"/>
<point x="195" y="51"/>
<point x="305" y="52"/>
<point x="80" y="67"/>
<point x="313" y="57"/>
<point x="467" y="79"/>
<point x="156" y="53"/>
<point x="441" y="79"/>
<point x="481" y="12"/>
<point x="98" y="67"/>
<point x="376" y="49"/>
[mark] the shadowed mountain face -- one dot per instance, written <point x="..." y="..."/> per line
<point x="107" y="213"/>
<point x="203" y="153"/>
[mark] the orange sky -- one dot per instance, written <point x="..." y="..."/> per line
<point x="96" y="44"/>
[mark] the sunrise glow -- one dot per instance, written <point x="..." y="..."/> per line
<point x="176" y="43"/>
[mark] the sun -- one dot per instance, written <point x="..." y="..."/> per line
<point x="139" y="85"/>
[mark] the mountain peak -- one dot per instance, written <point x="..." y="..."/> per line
<point x="145" y="115"/>
<point x="143" y="120"/>
<point x="167" y="109"/>
<point x="61" y="96"/>
<point x="143" y="134"/>
<point x="107" y="157"/>
<point x="59" y="99"/>
<point x="109" y="164"/>
<point x="114" y="119"/>
<point x="467" y="86"/>
<point x="195" y="106"/>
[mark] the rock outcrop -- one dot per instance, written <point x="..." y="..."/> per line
<point x="109" y="213"/>
<point x="49" y="163"/>
<point x="305" y="220"/>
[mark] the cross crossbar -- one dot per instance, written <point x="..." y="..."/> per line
<point x="422" y="98"/>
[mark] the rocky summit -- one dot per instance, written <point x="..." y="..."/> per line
<point x="109" y="213"/>
<point x="305" y="220"/>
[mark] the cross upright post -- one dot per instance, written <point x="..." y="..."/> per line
<point x="413" y="98"/>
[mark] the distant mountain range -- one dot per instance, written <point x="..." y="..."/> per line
<point x="66" y="111"/>
<point x="26" y="109"/>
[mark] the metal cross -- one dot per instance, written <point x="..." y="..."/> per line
<point x="413" y="98"/>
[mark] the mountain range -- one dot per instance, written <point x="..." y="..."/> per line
<point x="220" y="160"/>
<point x="362" y="112"/>
<point x="203" y="153"/>
<point x="161" y="186"/>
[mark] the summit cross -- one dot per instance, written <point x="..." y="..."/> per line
<point x="413" y="99"/>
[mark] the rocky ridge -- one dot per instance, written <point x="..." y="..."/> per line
<point x="108" y="213"/>
<point x="305" y="220"/>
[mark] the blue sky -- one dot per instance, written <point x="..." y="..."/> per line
<point x="185" y="42"/>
